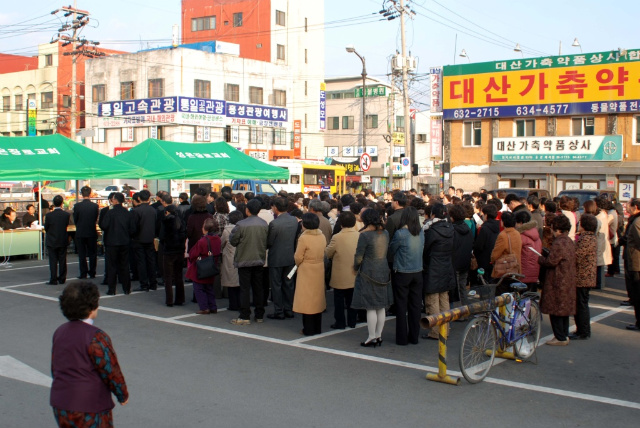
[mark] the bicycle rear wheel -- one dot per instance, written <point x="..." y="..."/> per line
<point x="477" y="350"/>
<point x="530" y="327"/>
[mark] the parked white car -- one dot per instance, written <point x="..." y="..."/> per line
<point x="108" y="190"/>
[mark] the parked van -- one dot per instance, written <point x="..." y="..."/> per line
<point x="258" y="187"/>
<point x="525" y="192"/>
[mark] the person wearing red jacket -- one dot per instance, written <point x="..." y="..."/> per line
<point x="203" y="287"/>
<point x="530" y="239"/>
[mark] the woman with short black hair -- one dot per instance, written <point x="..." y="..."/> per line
<point x="84" y="365"/>
<point x="559" y="289"/>
<point x="309" y="298"/>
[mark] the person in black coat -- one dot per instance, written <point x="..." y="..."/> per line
<point x="462" y="249"/>
<point x="144" y="217"/>
<point x="437" y="265"/>
<point x="85" y="217"/>
<point x="8" y="220"/>
<point x="57" y="240"/>
<point x="118" y="227"/>
<point x="102" y="213"/>
<point x="486" y="239"/>
<point x="174" y="238"/>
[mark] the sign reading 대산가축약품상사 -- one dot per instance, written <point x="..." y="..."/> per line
<point x="583" y="148"/>
<point x="590" y="83"/>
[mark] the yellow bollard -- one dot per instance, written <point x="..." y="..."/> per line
<point x="442" y="376"/>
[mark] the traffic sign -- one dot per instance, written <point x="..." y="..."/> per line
<point x="365" y="162"/>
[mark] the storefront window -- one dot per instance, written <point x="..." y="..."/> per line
<point x="525" y="127"/>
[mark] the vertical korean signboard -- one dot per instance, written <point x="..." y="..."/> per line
<point x="436" y="137"/>
<point x="297" y="138"/>
<point x="31" y="118"/>
<point x="436" y="89"/>
<point x="323" y="106"/>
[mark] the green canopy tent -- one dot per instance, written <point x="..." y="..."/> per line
<point x="196" y="161"/>
<point x="56" y="157"/>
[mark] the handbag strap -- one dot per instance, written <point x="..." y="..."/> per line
<point x="509" y="238"/>
<point x="208" y="244"/>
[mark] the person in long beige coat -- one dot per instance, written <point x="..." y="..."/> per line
<point x="309" y="299"/>
<point x="229" y="273"/>
<point x="341" y="250"/>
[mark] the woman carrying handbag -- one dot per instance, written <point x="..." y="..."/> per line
<point x="205" y="247"/>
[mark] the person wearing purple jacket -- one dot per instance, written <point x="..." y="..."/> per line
<point x="84" y="365"/>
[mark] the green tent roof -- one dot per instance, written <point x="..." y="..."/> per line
<point x="191" y="161"/>
<point x="56" y="157"/>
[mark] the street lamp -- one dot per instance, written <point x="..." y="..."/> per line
<point x="463" y="54"/>
<point x="518" y="49"/>
<point x="351" y="49"/>
<point x="576" y="44"/>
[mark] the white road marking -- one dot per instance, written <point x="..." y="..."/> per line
<point x="333" y="332"/>
<point x="420" y="367"/>
<point x="33" y="267"/>
<point x="179" y="317"/>
<point x="15" y="369"/>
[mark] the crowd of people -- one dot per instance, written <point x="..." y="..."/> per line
<point x="400" y="253"/>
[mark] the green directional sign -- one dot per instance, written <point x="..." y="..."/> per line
<point x="372" y="91"/>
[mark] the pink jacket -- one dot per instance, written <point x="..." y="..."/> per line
<point x="530" y="238"/>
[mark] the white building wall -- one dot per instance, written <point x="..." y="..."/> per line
<point x="37" y="81"/>
<point x="179" y="68"/>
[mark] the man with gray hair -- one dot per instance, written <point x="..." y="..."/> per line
<point x="316" y="207"/>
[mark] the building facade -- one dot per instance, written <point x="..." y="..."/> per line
<point x="286" y="33"/>
<point x="562" y="122"/>
<point x="46" y="79"/>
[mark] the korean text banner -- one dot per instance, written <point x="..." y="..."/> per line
<point x="597" y="83"/>
<point x="555" y="149"/>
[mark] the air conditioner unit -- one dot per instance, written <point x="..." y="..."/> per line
<point x="477" y="125"/>
<point x="589" y="121"/>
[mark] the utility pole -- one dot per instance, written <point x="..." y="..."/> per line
<point x="405" y="95"/>
<point x="69" y="34"/>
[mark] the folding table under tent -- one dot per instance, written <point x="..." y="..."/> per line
<point x="194" y="161"/>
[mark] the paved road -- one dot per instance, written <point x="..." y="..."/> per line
<point x="185" y="370"/>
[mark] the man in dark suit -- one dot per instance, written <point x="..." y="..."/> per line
<point x="144" y="217"/>
<point x="85" y="217"/>
<point x="280" y="242"/>
<point x="57" y="240"/>
<point x="101" y="215"/>
<point x="118" y="227"/>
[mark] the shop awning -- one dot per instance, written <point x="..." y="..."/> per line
<point x="56" y="157"/>
<point x="191" y="161"/>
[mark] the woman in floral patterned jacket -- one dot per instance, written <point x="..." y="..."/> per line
<point x="586" y="268"/>
<point x="84" y="365"/>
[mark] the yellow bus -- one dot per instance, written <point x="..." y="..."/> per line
<point x="310" y="176"/>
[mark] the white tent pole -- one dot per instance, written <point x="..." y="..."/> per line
<point x="40" y="220"/>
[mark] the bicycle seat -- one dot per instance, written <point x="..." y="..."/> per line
<point x="518" y="286"/>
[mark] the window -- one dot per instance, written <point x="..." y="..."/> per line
<point x="279" y="98"/>
<point x="279" y="136"/>
<point x="281" y="18"/>
<point x="255" y="95"/>
<point x="525" y="127"/>
<point x="347" y="122"/>
<point x="399" y="123"/>
<point x="156" y="88"/>
<point x="203" y="24"/>
<point x="99" y="135"/>
<point x="472" y="134"/>
<point x="371" y="121"/>
<point x="6" y="103"/>
<point x="306" y="87"/>
<point x="280" y="52"/>
<point x="201" y="88"/>
<point x="637" y="130"/>
<point x="48" y="60"/>
<point x="31" y="97"/>
<point x="421" y="138"/>
<point x="237" y="19"/>
<point x="18" y="101"/>
<point x="66" y="101"/>
<point x="305" y="57"/>
<point x="334" y="122"/>
<point x="98" y="93"/>
<point x="324" y="177"/>
<point x="127" y="91"/>
<point x="583" y="126"/>
<point x="127" y="134"/>
<point x="46" y="100"/>
<point x="305" y="25"/>
<point x="305" y="121"/>
<point x="231" y="92"/>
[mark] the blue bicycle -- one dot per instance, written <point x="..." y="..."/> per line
<point x="516" y="325"/>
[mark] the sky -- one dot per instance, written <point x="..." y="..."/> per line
<point x="487" y="30"/>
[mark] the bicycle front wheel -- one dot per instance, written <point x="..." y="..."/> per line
<point x="478" y="349"/>
<point x="529" y="328"/>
